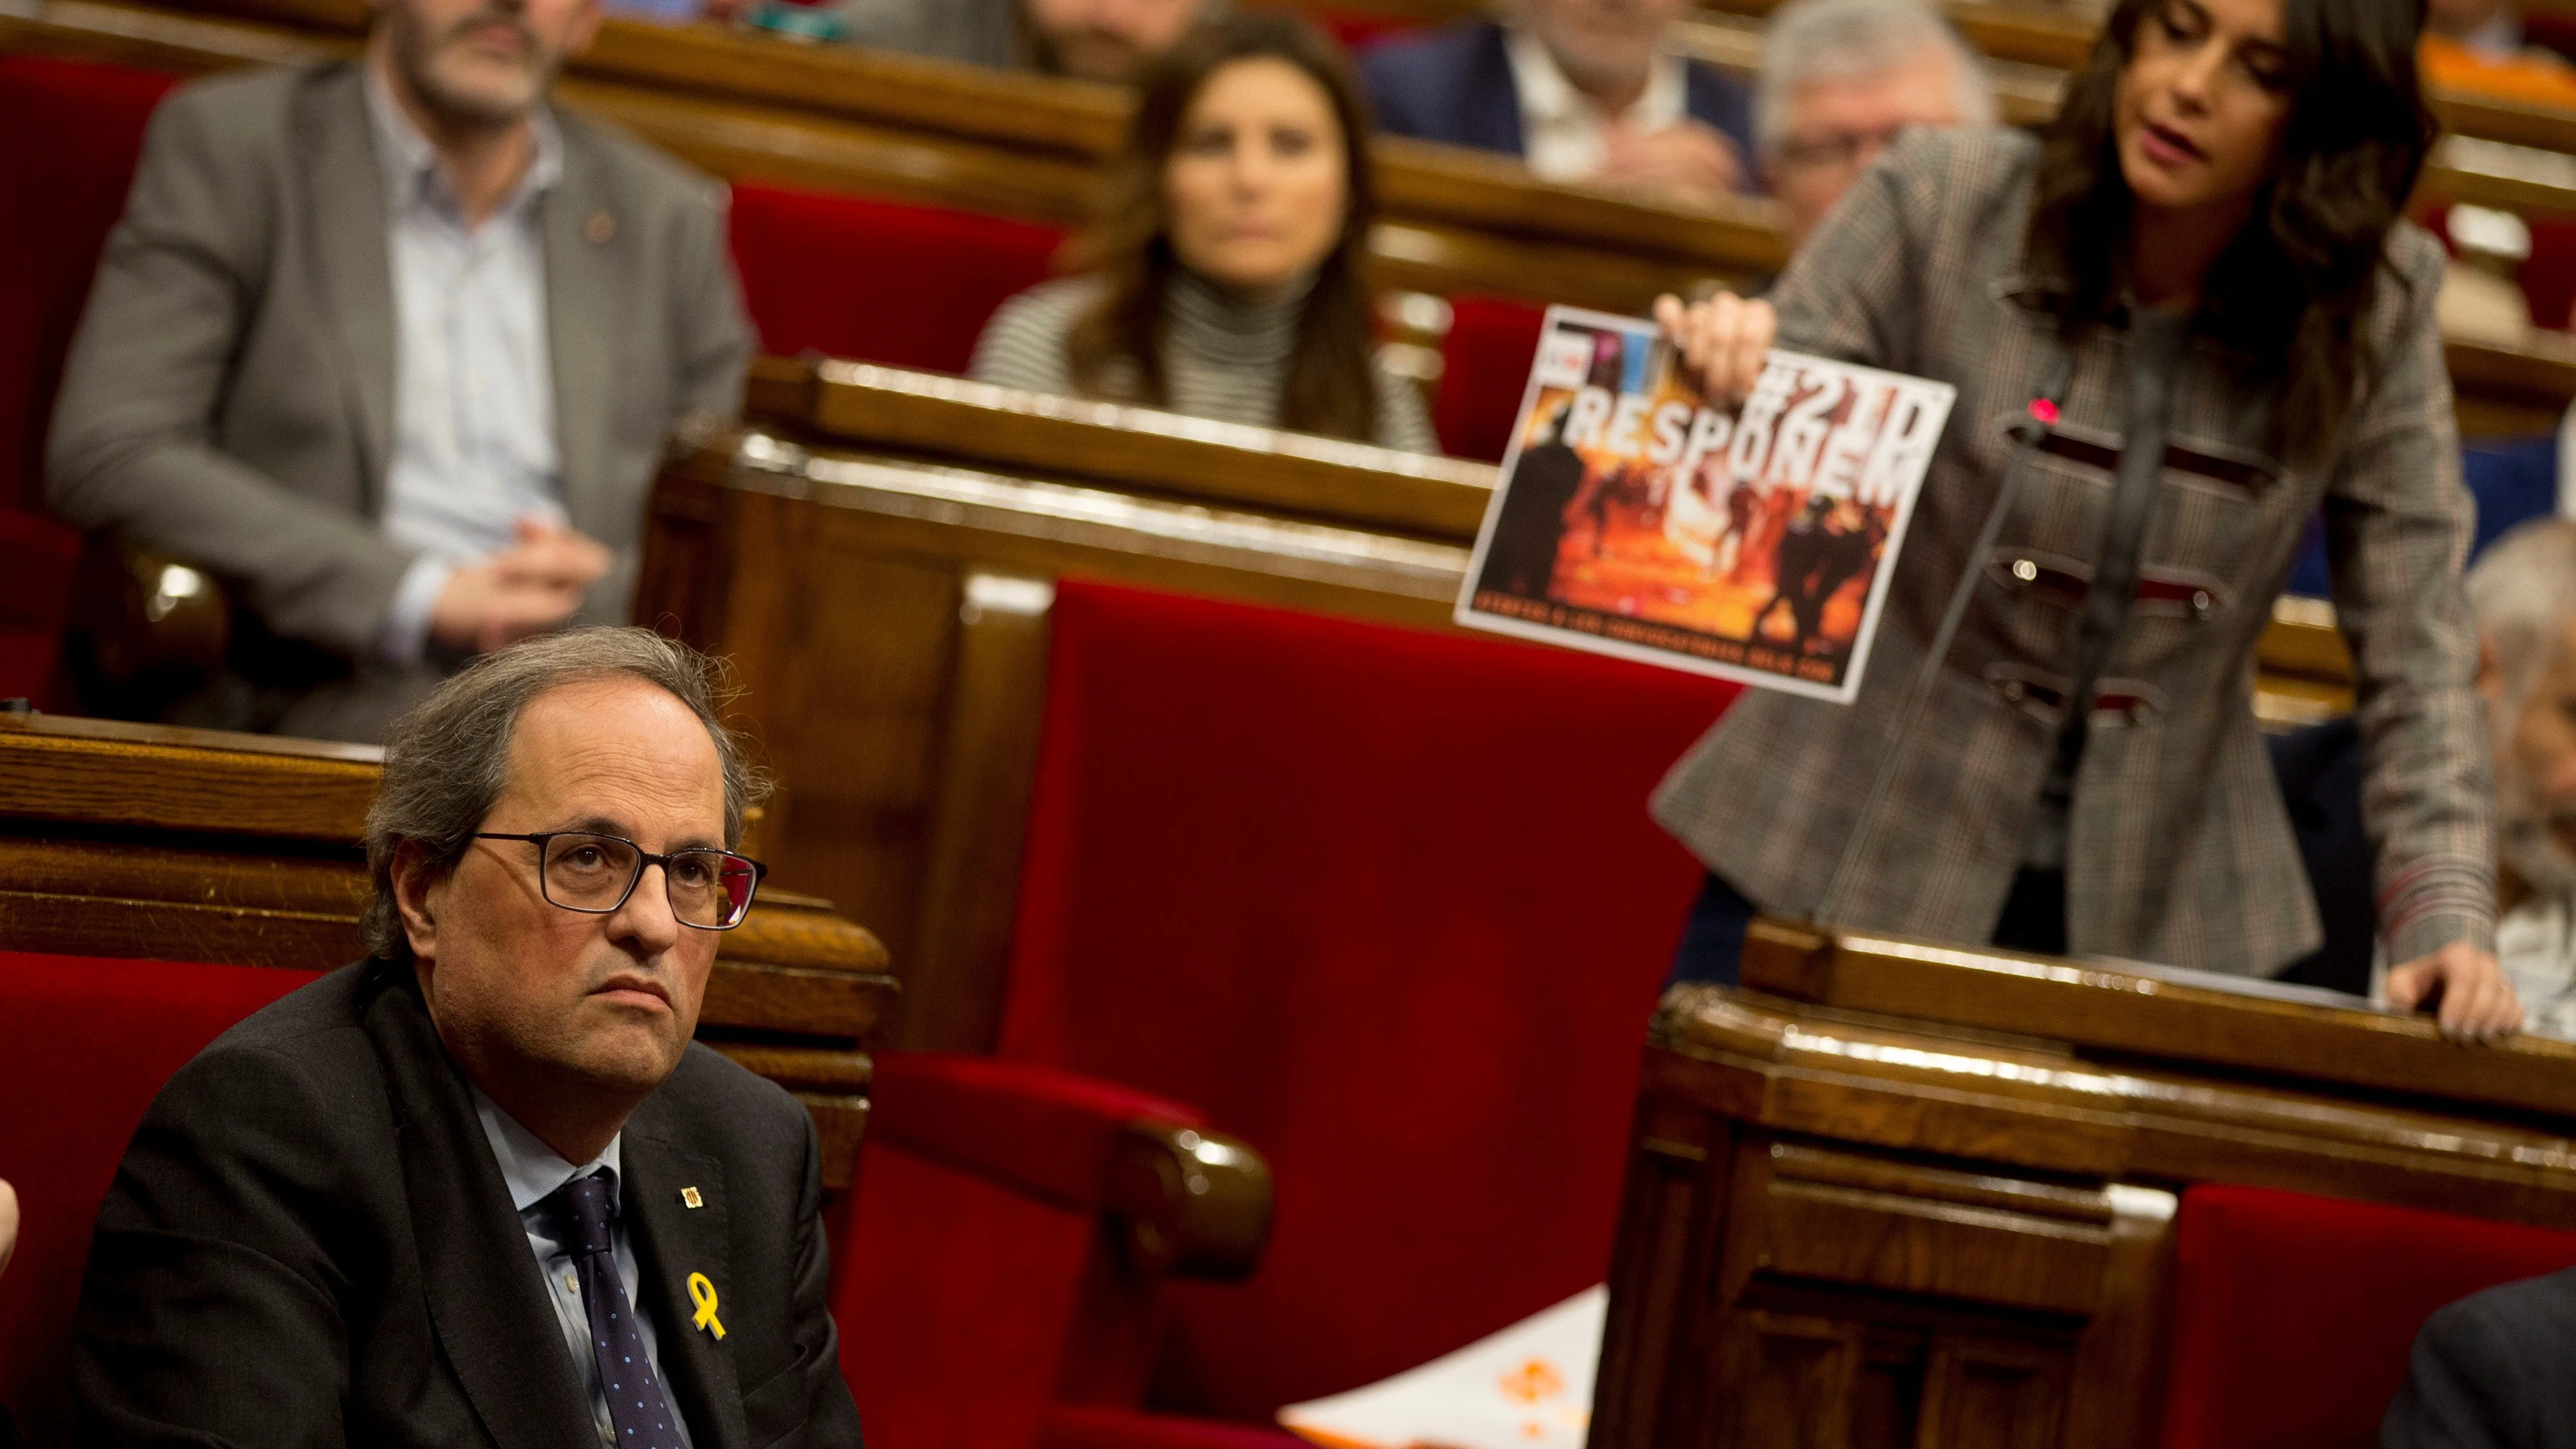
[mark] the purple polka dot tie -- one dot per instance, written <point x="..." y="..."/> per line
<point x="637" y="1408"/>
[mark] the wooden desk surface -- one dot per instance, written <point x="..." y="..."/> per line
<point x="1962" y="1172"/>
<point x="2195" y="1019"/>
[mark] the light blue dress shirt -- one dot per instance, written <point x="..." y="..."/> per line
<point x="474" y="446"/>
<point x="532" y="1170"/>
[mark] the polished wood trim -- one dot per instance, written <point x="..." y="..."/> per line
<point x="2162" y="1012"/>
<point x="180" y="779"/>
<point x="1188" y="1202"/>
<point x="1138" y="448"/>
<point x="988" y="770"/>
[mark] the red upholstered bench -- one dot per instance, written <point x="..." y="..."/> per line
<point x="1485" y="366"/>
<point x="878" y="281"/>
<point x="85" y="1045"/>
<point x="979" y="1288"/>
<point x="2293" y="1315"/>
<point x="74" y="132"/>
<point x="1387" y="904"/>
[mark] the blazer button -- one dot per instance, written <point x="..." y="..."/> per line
<point x="2025" y="570"/>
<point x="2200" y="602"/>
<point x="2013" y="690"/>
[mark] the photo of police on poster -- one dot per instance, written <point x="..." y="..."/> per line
<point x="1753" y="544"/>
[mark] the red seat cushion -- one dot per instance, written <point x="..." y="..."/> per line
<point x="878" y="281"/>
<point x="1385" y="903"/>
<point x="85" y="1045"/>
<point x="74" y="133"/>
<point x="2294" y="1315"/>
<point x="2548" y="276"/>
<point x="1485" y="368"/>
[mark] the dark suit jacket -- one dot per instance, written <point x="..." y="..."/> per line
<point x="2492" y="1372"/>
<point x="2320" y="770"/>
<point x="229" y="397"/>
<point x="1454" y="85"/>
<point x="309" y="1244"/>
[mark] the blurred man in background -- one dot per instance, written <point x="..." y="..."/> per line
<point x="1839" y="79"/>
<point x="393" y="348"/>
<point x="1102" y="40"/>
<point x="1582" y="90"/>
<point x="2524" y="593"/>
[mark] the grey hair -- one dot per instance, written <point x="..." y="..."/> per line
<point x="448" y="760"/>
<point x="2523" y="592"/>
<point x="1813" y="40"/>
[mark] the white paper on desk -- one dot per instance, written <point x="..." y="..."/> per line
<point x="1527" y="1387"/>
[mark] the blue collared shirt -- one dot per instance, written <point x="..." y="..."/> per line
<point x="474" y="446"/>
<point x="532" y="1170"/>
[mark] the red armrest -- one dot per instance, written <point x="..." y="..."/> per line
<point x="1006" y="1239"/>
<point x="1037" y="1128"/>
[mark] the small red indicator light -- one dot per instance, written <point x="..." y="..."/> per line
<point x="2044" y="410"/>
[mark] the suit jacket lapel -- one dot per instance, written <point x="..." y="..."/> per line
<point x="673" y="1241"/>
<point x="345" y="191"/>
<point x="588" y="249"/>
<point x="494" y="1320"/>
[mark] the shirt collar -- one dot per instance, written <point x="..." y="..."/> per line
<point x="410" y="163"/>
<point x="528" y="1165"/>
<point x="1546" y="92"/>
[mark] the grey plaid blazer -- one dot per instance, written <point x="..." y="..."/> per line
<point x="2179" y="850"/>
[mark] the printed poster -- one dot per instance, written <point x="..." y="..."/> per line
<point x="1753" y="543"/>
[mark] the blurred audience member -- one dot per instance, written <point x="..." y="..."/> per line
<point x="2489" y="29"/>
<point x="1839" y="79"/>
<point x="2524" y="594"/>
<point x="1580" y="89"/>
<point x="2490" y="1372"/>
<point x="2522" y="591"/>
<point x="1103" y="40"/>
<point x="393" y="347"/>
<point x="1227" y="277"/>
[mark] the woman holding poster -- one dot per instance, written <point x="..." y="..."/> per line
<point x="2195" y="300"/>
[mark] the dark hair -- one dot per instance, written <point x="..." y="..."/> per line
<point x="1330" y="387"/>
<point x="2292" y="295"/>
<point x="448" y="760"/>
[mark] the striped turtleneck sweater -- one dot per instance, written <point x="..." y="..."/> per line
<point x="1223" y="358"/>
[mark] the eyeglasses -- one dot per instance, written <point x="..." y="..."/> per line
<point x="1836" y="149"/>
<point x="709" y="889"/>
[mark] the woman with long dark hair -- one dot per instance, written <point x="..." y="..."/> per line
<point x="1227" y="274"/>
<point x="2179" y="323"/>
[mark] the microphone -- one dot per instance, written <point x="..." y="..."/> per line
<point x="2028" y="432"/>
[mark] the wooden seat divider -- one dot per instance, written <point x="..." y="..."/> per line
<point x="877" y="557"/>
<point x="190" y="845"/>
<point x="1891" y="1193"/>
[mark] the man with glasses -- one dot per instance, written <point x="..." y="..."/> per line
<point x="481" y="1188"/>
<point x="1839" y="79"/>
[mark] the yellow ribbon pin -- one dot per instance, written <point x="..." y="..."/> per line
<point x="703" y="1294"/>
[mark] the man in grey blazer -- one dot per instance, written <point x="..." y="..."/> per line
<point x="392" y="348"/>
